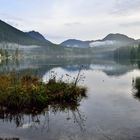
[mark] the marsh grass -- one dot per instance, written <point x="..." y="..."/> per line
<point x="28" y="93"/>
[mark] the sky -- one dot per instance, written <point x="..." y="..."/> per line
<point x="59" y="20"/>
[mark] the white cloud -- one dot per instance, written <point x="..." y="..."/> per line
<point x="125" y="7"/>
<point x="81" y="19"/>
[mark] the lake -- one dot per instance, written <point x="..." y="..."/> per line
<point x="110" y="111"/>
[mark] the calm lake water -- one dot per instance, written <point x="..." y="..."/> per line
<point x="110" y="112"/>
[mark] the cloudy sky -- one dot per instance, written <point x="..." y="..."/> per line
<point x="58" y="20"/>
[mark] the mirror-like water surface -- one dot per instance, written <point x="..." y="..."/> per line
<point x="109" y="112"/>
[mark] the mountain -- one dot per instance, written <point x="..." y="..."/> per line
<point x="75" y="43"/>
<point x="13" y="35"/>
<point x="118" y="37"/>
<point x="38" y="36"/>
<point x="109" y="40"/>
<point x="113" y="40"/>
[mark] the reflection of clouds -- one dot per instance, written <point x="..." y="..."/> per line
<point x="59" y="73"/>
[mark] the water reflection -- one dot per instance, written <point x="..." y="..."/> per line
<point x="110" y="67"/>
<point x="41" y="119"/>
<point x="110" y="112"/>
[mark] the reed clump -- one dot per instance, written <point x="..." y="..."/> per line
<point x="136" y="87"/>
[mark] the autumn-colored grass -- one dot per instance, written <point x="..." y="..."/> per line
<point x="29" y="93"/>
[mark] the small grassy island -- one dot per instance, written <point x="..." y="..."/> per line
<point x="29" y="94"/>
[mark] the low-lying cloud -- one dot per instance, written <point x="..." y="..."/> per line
<point x="102" y="43"/>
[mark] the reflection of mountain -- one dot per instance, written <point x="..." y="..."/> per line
<point x="110" y="67"/>
<point x="118" y="70"/>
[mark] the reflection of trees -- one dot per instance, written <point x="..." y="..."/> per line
<point x="41" y="120"/>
